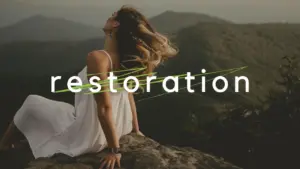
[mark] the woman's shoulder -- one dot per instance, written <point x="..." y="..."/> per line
<point x="97" y="56"/>
<point x="96" y="53"/>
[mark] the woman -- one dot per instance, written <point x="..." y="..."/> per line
<point x="96" y="121"/>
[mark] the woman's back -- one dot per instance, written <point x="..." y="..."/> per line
<point x="87" y="124"/>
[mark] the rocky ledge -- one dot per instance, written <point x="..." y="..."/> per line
<point x="139" y="153"/>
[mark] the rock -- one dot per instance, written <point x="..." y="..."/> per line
<point x="138" y="153"/>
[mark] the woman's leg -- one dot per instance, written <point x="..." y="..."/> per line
<point x="40" y="119"/>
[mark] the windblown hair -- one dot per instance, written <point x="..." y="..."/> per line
<point x="139" y="45"/>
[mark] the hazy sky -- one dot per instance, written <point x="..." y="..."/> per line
<point x="234" y="10"/>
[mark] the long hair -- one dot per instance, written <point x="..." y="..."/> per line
<point x="139" y="45"/>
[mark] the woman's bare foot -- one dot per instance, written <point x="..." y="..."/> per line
<point x="6" y="141"/>
<point x="4" y="146"/>
<point x="16" y="145"/>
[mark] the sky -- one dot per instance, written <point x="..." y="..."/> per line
<point x="240" y="11"/>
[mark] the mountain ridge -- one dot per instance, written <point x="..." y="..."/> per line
<point x="44" y="28"/>
<point x="171" y="21"/>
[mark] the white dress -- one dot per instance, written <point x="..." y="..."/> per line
<point x="57" y="127"/>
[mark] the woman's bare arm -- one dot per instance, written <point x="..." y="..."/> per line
<point x="135" y="123"/>
<point x="98" y="62"/>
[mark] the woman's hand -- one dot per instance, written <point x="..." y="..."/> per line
<point x="109" y="161"/>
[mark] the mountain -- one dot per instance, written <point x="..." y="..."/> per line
<point x="214" y="47"/>
<point x="43" y="42"/>
<point x="41" y="28"/>
<point x="191" y="118"/>
<point x="24" y="58"/>
<point x="12" y="11"/>
<point x="170" y="21"/>
<point x="217" y="47"/>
